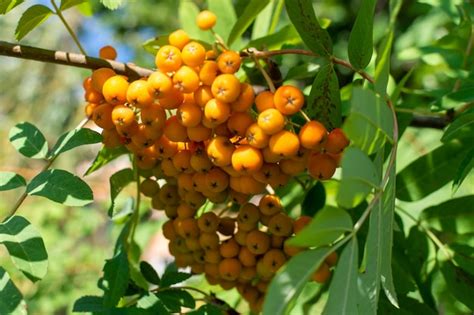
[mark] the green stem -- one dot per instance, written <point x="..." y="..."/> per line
<point x="276" y="17"/>
<point x="69" y="29"/>
<point x="50" y="161"/>
<point x="136" y="210"/>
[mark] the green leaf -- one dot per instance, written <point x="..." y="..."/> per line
<point x="175" y="299"/>
<point x="172" y="277"/>
<point x="388" y="200"/>
<point x="73" y="139"/>
<point x="226" y="16"/>
<point x="149" y="273"/>
<point x="188" y="12"/>
<point x="112" y="4"/>
<point x="28" y="140"/>
<point x="382" y="64"/>
<point x="286" y="35"/>
<point x="10" y="180"/>
<point x="466" y="166"/>
<point x="66" y="4"/>
<point x="302" y="15"/>
<point x="288" y="283"/>
<point x="88" y="303"/>
<point x="463" y="256"/>
<point x="342" y="298"/>
<point x="31" y="18"/>
<point x="324" y="101"/>
<point x="25" y="246"/>
<point x="461" y="127"/>
<point x="118" y="181"/>
<point x="459" y="283"/>
<point x="453" y="215"/>
<point x="152" y="45"/>
<point x="314" y="200"/>
<point x="370" y="123"/>
<point x="11" y="300"/>
<point x="361" y="37"/>
<point x="359" y="177"/>
<point x="8" y="5"/>
<point x="326" y="227"/>
<point x="253" y="8"/>
<point x="62" y="187"/>
<point x="116" y="273"/>
<point x="262" y="22"/>
<point x="429" y="172"/>
<point x="104" y="156"/>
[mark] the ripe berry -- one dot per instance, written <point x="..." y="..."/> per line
<point x="288" y="99"/>
<point x="193" y="54"/>
<point x="208" y="72"/>
<point x="115" y="90"/>
<point x="226" y="88"/>
<point x="108" y="52"/>
<point x="123" y="116"/>
<point x="99" y="77"/>
<point x="229" y="61"/>
<point x="159" y="84"/>
<point x="245" y="100"/>
<point x="271" y="121"/>
<point x="258" y="242"/>
<point x="321" y="166"/>
<point x="284" y="144"/>
<point x="336" y="141"/>
<point x="312" y="134"/>
<point x="247" y="159"/>
<point x="206" y="20"/>
<point x="178" y="39"/>
<point x="168" y="58"/>
<point x="186" y="80"/>
<point x="217" y="111"/>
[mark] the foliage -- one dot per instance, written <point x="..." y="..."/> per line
<point x="375" y="213"/>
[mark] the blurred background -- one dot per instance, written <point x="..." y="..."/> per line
<point x="50" y="96"/>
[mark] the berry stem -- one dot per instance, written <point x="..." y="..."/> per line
<point x="219" y="39"/>
<point x="306" y="117"/>
<point x="260" y="68"/>
<point x="69" y="29"/>
<point x="45" y="168"/>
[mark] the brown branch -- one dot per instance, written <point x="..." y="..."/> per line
<point x="70" y="59"/>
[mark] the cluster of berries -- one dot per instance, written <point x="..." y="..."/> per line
<point x="204" y="135"/>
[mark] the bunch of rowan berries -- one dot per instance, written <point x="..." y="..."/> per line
<point x="204" y="135"/>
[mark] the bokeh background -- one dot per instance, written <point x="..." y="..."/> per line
<point x="78" y="240"/>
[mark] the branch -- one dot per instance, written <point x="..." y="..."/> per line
<point x="71" y="59"/>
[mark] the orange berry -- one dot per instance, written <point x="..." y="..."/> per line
<point x="212" y="256"/>
<point x="245" y="99"/>
<point x="153" y="116"/>
<point x="248" y="214"/>
<point x="292" y="167"/>
<point x="256" y="137"/>
<point x="228" y="61"/>
<point x="92" y="96"/>
<point x="189" y="114"/>
<point x="217" y="180"/>
<point x="241" y="237"/>
<point x="267" y="173"/>
<point x="168" y="230"/>
<point x="193" y="54"/>
<point x="269" y="156"/>
<point x="194" y="199"/>
<point x="322" y="274"/>
<point x="115" y="90"/>
<point x="229" y="248"/>
<point x="274" y="259"/>
<point x="212" y="270"/>
<point x="203" y="95"/>
<point x="239" y="122"/>
<point x="186" y="80"/>
<point x="108" y="52"/>
<point x="229" y="269"/>
<point x="321" y="166"/>
<point x="182" y="160"/>
<point x="220" y="151"/>
<point x="246" y="257"/>
<point x="159" y="84"/>
<point x="264" y="101"/>
<point x="199" y="133"/>
<point x="280" y="224"/>
<point x="270" y="205"/>
<point x="149" y="187"/>
<point x="217" y="111"/>
<point x="169" y="194"/>
<point x="247" y="159"/>
<point x="209" y="241"/>
<point x="336" y="141"/>
<point x="208" y="222"/>
<point x="165" y="147"/>
<point x="99" y="77"/>
<point x="185" y="211"/>
<point x="168" y="168"/>
<point x="174" y="130"/>
<point x="185" y="181"/>
<point x="208" y="72"/>
<point x="168" y="58"/>
<point x="288" y="99"/>
<point x="111" y="139"/>
<point x="312" y="134"/>
<point x="258" y="242"/>
<point x="178" y="39"/>
<point x="102" y="116"/>
<point x="172" y="99"/>
<point x="290" y="250"/>
<point x="123" y="116"/>
<point x="226" y="88"/>
<point x="188" y="228"/>
<point x="247" y="274"/>
<point x="138" y="95"/>
<point x="271" y="121"/>
<point x="206" y="20"/>
<point x="284" y="144"/>
<point x="200" y="162"/>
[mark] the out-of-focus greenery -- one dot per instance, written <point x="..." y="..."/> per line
<point x="50" y="96"/>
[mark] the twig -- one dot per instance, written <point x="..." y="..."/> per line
<point x="45" y="167"/>
<point x="69" y="29"/>
<point x="136" y="210"/>
<point x="269" y="81"/>
<point x="70" y="59"/>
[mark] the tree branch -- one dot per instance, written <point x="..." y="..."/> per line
<point x="71" y="59"/>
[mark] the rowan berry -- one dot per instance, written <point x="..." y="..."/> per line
<point x="206" y="20"/>
<point x="178" y="39"/>
<point x="228" y="61"/>
<point x="169" y="194"/>
<point x="168" y="58"/>
<point x="149" y="187"/>
<point x="300" y="223"/>
<point x="229" y="269"/>
<point x="245" y="99"/>
<point x="174" y="130"/>
<point x="123" y="116"/>
<point x="217" y="180"/>
<point x="226" y="88"/>
<point x="270" y="205"/>
<point x="212" y="270"/>
<point x="246" y="257"/>
<point x="220" y="151"/>
<point x="226" y="226"/>
<point x="271" y="121"/>
<point x="165" y="147"/>
<point x="138" y="94"/>
<point x="239" y="122"/>
<point x="189" y="114"/>
<point x="185" y="211"/>
<point x="168" y="230"/>
<point x="159" y="84"/>
<point x="99" y="77"/>
<point x="194" y="199"/>
<point x="247" y="274"/>
<point x="217" y="111"/>
<point x="267" y="173"/>
<point x="102" y="116"/>
<point x="292" y="167"/>
<point x="280" y="224"/>
<point x="92" y="96"/>
<point x="264" y="101"/>
<point x="208" y="222"/>
<point x="193" y="54"/>
<point x="321" y="166"/>
<point x="212" y="256"/>
<point x="200" y="161"/>
<point x="284" y="144"/>
<point x="199" y="133"/>
<point x="115" y="90"/>
<point x="274" y="259"/>
<point x="229" y="248"/>
<point x="208" y="72"/>
<point x="186" y="80"/>
<point x="247" y="159"/>
<point x="209" y="241"/>
<point x="258" y="242"/>
<point x="288" y="99"/>
<point x="322" y="274"/>
<point x="153" y="116"/>
<point x="111" y="138"/>
<point x="107" y="52"/>
<point x="336" y="141"/>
